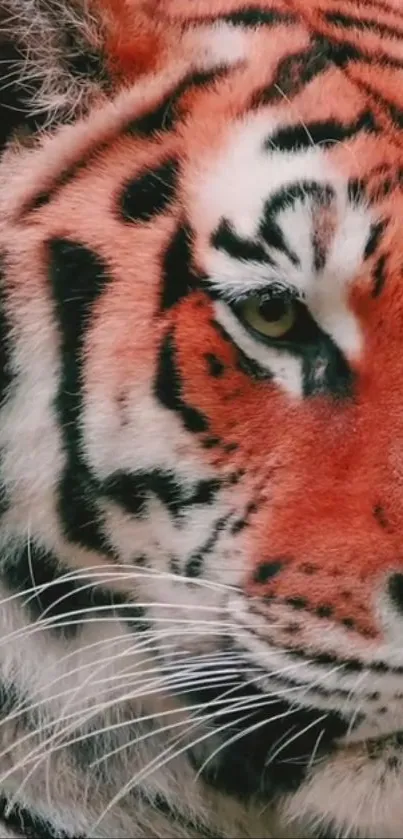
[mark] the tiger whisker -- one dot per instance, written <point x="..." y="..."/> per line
<point x="103" y="706"/>
<point x="140" y="691"/>
<point x="39" y="626"/>
<point x="154" y="765"/>
<point x="252" y="703"/>
<point x="136" y="674"/>
<point x="116" y="573"/>
<point x="238" y="735"/>
<point x="295" y="736"/>
<point x="31" y="756"/>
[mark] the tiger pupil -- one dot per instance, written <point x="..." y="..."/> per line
<point x="273" y="310"/>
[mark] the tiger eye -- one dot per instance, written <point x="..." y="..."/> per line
<point x="271" y="318"/>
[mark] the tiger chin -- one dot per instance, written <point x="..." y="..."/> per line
<point x="201" y="421"/>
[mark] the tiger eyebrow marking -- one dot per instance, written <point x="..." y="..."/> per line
<point x="296" y="138"/>
<point x="225" y="238"/>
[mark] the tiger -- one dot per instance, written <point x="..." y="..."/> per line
<point x="201" y="577"/>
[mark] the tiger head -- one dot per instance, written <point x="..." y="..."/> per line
<point x="202" y="337"/>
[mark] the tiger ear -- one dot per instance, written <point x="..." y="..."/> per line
<point x="52" y="65"/>
<point x="58" y="56"/>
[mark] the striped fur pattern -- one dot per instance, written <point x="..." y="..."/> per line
<point x="201" y="575"/>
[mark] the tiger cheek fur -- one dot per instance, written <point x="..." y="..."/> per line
<point x="201" y="485"/>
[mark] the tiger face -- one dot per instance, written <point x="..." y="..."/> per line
<point x="201" y="345"/>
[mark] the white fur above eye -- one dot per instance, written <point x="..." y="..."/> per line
<point x="235" y="187"/>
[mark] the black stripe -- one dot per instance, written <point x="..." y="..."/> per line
<point x="195" y="563"/>
<point x="62" y="179"/>
<point x="374" y="238"/>
<point x="268" y="569"/>
<point x="296" y="71"/>
<point x="133" y="491"/>
<point x="29" y="824"/>
<point x="161" y="118"/>
<point x="179" y="277"/>
<point x="250" y="17"/>
<point x="392" y="110"/>
<point x="168" y="388"/>
<point x="381" y="517"/>
<point x="287" y="196"/>
<point x="350" y="665"/>
<point x="383" y="6"/>
<point x="33" y="567"/>
<point x="395" y="113"/>
<point x="6" y="374"/>
<point x="78" y="277"/>
<point x="252" y="368"/>
<point x="221" y="331"/>
<point x="149" y="193"/>
<point x="274" y="237"/>
<point x="57" y="598"/>
<point x="363" y="23"/>
<point x="345" y="51"/>
<point x="382" y="182"/>
<point x="226" y="239"/>
<point x="324" y="133"/>
<point x="319" y="194"/>
<point x="167" y="112"/>
<point x="216" y="367"/>
<point x="379" y="276"/>
<point x="244" y="767"/>
<point x="357" y="190"/>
